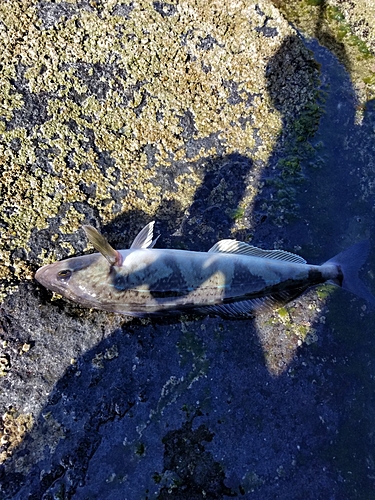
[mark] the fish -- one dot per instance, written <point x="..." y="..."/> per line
<point x="232" y="279"/>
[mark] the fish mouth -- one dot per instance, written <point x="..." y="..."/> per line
<point x="46" y="277"/>
<point x="51" y="275"/>
<point x="40" y="275"/>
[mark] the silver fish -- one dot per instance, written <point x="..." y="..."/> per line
<point x="233" y="279"/>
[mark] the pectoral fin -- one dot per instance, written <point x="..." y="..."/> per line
<point x="144" y="237"/>
<point x="101" y="245"/>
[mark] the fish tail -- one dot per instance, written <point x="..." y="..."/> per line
<point x="349" y="263"/>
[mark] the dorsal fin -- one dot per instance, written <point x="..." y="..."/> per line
<point x="239" y="247"/>
<point x="144" y="237"/>
<point x="101" y="245"/>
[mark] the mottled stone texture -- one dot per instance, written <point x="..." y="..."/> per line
<point x="217" y="120"/>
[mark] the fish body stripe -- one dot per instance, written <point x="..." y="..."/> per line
<point x="231" y="279"/>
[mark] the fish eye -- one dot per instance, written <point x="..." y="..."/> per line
<point x="64" y="275"/>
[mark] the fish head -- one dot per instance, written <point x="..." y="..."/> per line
<point x="78" y="279"/>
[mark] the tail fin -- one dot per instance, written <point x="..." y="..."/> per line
<point x="350" y="261"/>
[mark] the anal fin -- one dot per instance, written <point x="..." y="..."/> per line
<point x="249" y="307"/>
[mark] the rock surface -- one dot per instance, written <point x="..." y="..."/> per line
<point x="217" y="121"/>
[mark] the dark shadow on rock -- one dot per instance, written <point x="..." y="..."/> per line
<point x="152" y="407"/>
<point x="338" y="207"/>
<point x="332" y="208"/>
<point x="210" y="216"/>
<point x="291" y="75"/>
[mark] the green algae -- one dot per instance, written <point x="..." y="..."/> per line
<point x="283" y="312"/>
<point x="189" y="343"/>
<point x="297" y="150"/>
<point x="140" y="449"/>
<point x="237" y="214"/>
<point x="315" y="3"/>
<point x="370" y="80"/>
<point x="343" y="29"/>
<point x="325" y="291"/>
